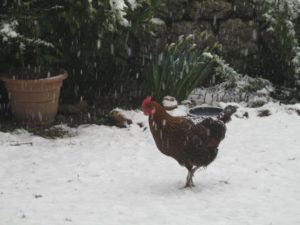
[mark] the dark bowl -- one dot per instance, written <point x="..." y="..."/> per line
<point x="201" y="111"/>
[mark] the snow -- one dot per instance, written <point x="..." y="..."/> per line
<point x="133" y="4"/>
<point x="293" y="6"/>
<point x="169" y="102"/>
<point x="120" y="7"/>
<point x="157" y="21"/>
<point x="7" y="30"/>
<point x="208" y="55"/>
<point x="179" y="111"/>
<point x="106" y="175"/>
<point x="236" y="87"/>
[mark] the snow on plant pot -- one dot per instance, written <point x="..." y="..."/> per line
<point x="35" y="101"/>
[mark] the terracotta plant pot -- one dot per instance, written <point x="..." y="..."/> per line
<point x="35" y="101"/>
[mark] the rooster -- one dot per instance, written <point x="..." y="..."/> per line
<point x="191" y="145"/>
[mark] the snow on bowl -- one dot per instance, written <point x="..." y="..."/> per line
<point x="204" y="111"/>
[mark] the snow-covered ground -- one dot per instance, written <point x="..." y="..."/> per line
<point x="111" y="176"/>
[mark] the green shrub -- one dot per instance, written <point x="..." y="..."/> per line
<point x="180" y="68"/>
<point x="96" y="41"/>
<point x="21" y="40"/>
<point x="279" y="46"/>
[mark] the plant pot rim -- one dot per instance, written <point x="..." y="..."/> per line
<point x="61" y="76"/>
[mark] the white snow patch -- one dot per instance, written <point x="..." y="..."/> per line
<point x="7" y="30"/>
<point x="169" y="103"/>
<point x="207" y="55"/>
<point x="119" y="8"/>
<point x="134" y="115"/>
<point x="157" y="21"/>
<point x="133" y="4"/>
<point x="106" y="175"/>
<point x="181" y="110"/>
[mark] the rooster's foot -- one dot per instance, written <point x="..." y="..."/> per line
<point x="189" y="180"/>
<point x="189" y="185"/>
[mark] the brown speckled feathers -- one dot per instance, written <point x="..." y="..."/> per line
<point x="190" y="144"/>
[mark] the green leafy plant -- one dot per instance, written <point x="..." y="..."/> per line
<point x="180" y="68"/>
<point x="97" y="41"/>
<point x="24" y="46"/>
<point x="278" y="44"/>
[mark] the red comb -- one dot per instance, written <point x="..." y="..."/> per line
<point x="146" y="101"/>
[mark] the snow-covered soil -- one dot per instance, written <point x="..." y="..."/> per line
<point x="111" y="176"/>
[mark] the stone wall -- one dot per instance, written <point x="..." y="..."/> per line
<point x="235" y="24"/>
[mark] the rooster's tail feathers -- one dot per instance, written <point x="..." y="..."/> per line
<point x="225" y="116"/>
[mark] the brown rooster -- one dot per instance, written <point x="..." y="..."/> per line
<point x="192" y="145"/>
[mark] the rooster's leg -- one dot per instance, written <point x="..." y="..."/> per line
<point x="189" y="178"/>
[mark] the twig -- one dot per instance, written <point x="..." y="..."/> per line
<point x="56" y="7"/>
<point x="24" y="143"/>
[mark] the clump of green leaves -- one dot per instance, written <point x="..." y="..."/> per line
<point x="180" y="68"/>
<point x="97" y="41"/>
<point x="279" y="48"/>
<point x="23" y="44"/>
